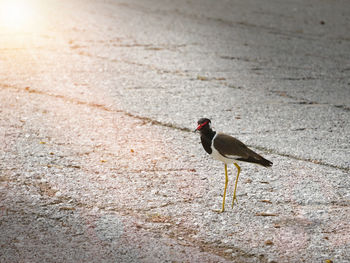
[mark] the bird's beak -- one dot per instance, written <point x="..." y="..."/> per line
<point x="198" y="127"/>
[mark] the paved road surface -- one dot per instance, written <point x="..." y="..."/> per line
<point x="98" y="161"/>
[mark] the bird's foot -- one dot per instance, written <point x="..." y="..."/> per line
<point x="233" y="201"/>
<point x="218" y="211"/>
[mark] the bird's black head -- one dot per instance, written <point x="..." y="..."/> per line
<point x="203" y="124"/>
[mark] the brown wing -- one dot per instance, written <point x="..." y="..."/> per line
<point x="234" y="148"/>
<point x="227" y="145"/>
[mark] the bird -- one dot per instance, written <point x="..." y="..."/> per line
<point x="228" y="150"/>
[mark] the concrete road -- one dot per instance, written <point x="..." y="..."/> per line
<point x="98" y="101"/>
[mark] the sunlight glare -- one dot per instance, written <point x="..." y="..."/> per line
<point x="16" y="14"/>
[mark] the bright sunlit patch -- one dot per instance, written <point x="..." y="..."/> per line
<point x="16" y="14"/>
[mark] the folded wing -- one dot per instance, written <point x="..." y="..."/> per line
<point x="231" y="147"/>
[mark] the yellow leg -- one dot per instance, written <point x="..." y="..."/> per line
<point x="234" y="192"/>
<point x="226" y="181"/>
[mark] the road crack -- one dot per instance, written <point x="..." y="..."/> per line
<point x="148" y="120"/>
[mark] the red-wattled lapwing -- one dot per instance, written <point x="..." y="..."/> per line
<point x="227" y="149"/>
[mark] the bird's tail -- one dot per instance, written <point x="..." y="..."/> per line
<point x="264" y="162"/>
<point x="256" y="158"/>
